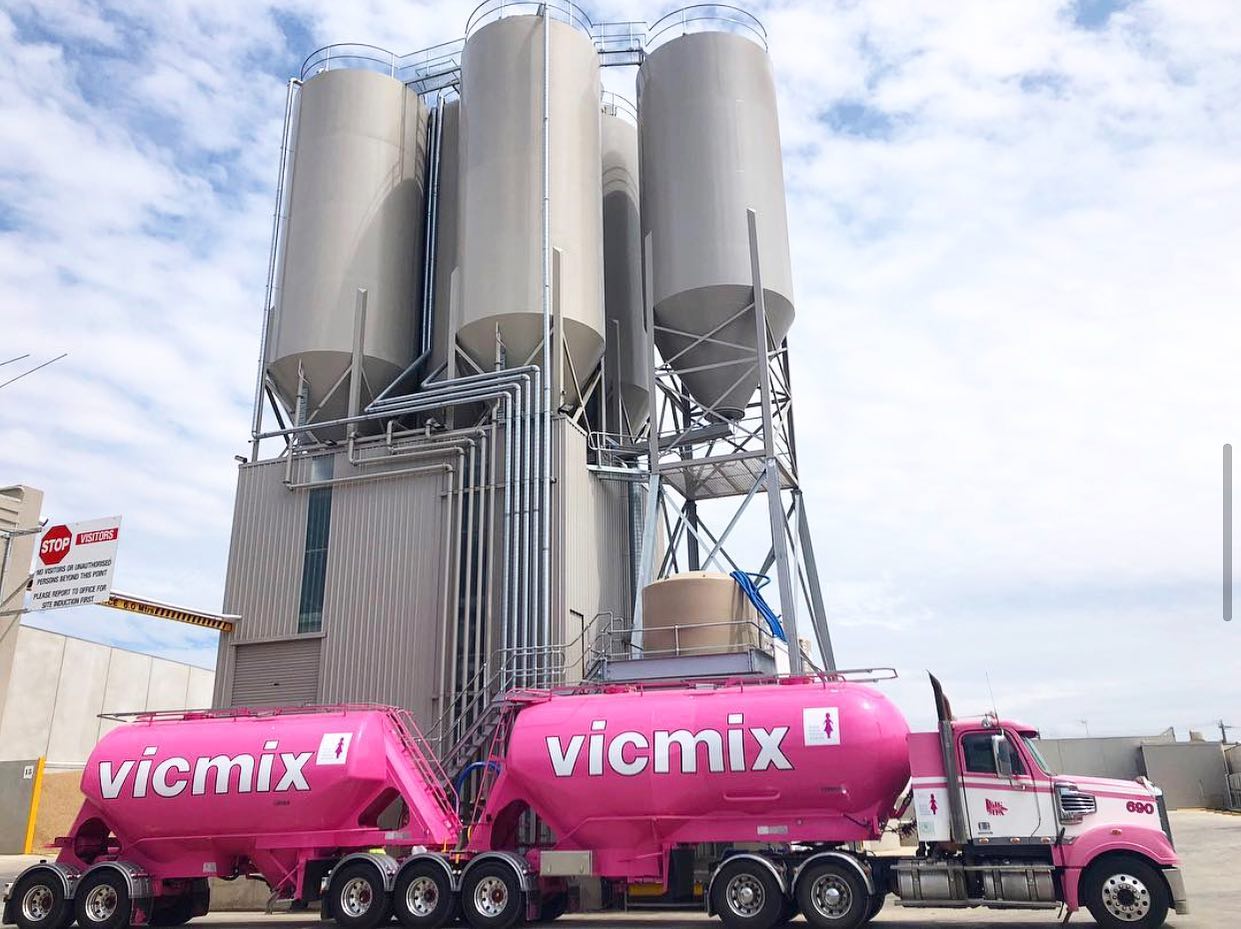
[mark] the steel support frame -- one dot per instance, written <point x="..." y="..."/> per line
<point x="761" y="447"/>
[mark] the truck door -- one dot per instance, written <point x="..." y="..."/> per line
<point x="1001" y="794"/>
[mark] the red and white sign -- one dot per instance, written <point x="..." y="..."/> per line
<point x="74" y="562"/>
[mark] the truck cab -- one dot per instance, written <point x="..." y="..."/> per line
<point x="997" y="827"/>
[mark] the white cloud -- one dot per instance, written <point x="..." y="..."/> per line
<point x="1014" y="246"/>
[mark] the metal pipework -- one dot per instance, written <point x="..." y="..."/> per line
<point x="257" y="422"/>
<point x="516" y="388"/>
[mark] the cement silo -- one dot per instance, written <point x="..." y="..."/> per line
<point x="501" y="232"/>
<point x="710" y="144"/>
<point x="355" y="220"/>
<point x="622" y="266"/>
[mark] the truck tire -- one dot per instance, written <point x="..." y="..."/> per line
<point x="39" y="902"/>
<point x="176" y="911"/>
<point x="1124" y="892"/>
<point x="833" y="896"/>
<point x="102" y="900"/>
<point x="357" y="896"/>
<point x="423" y="898"/>
<point x="553" y="907"/>
<point x="876" y="904"/>
<point x="491" y="896"/>
<point x="746" y="895"/>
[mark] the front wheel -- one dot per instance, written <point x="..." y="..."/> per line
<point x="833" y="896"/>
<point x="876" y="904"/>
<point x="1125" y="892"/>
<point x="39" y="902"/>
<point x="423" y="896"/>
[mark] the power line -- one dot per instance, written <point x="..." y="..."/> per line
<point x="32" y="370"/>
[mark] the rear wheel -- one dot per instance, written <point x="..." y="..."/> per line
<point x="1124" y="892"/>
<point x="102" y="900"/>
<point x="491" y="896"/>
<point x="357" y="896"/>
<point x="39" y="902"/>
<point x="423" y="896"/>
<point x="833" y="896"/>
<point x="746" y="895"/>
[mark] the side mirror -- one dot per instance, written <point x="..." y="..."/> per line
<point x="1002" y="755"/>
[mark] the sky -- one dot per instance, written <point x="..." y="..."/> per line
<point x="1015" y="235"/>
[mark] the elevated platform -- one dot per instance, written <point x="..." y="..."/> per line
<point x="743" y="663"/>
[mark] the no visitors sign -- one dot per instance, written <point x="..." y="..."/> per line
<point x="73" y="563"/>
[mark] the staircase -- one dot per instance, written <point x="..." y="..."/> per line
<point x="430" y="794"/>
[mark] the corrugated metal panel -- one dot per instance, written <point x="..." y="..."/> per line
<point x="264" y="563"/>
<point x="382" y="605"/>
<point x="276" y="673"/>
<point x="592" y="561"/>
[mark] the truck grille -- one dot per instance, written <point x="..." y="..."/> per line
<point x="1072" y="805"/>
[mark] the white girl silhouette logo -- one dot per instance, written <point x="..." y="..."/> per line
<point x="821" y="725"/>
<point x="334" y="748"/>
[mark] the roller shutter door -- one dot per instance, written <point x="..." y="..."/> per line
<point x="276" y="673"/>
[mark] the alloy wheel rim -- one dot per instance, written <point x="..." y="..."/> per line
<point x="422" y="896"/>
<point x="1126" y="897"/>
<point x="831" y="896"/>
<point x="745" y="895"/>
<point x="356" y="897"/>
<point x="37" y="903"/>
<point x="491" y="896"/>
<point x="101" y="903"/>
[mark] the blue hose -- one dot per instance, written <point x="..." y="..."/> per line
<point x="459" y="782"/>
<point x="751" y="584"/>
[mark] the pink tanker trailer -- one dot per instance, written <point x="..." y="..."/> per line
<point x="784" y="780"/>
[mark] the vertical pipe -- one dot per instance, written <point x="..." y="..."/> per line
<point x="775" y="510"/>
<point x="545" y="514"/>
<point x="355" y="367"/>
<point x="257" y="422"/>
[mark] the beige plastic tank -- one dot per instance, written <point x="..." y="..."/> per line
<point x="697" y="613"/>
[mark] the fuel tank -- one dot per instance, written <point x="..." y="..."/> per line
<point x="625" y="772"/>
<point x="230" y="782"/>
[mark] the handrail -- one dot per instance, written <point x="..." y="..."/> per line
<point x="614" y="104"/>
<point x="565" y="11"/>
<point x="706" y="17"/>
<point x="321" y="58"/>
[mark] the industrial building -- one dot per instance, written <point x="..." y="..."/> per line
<point x="523" y="374"/>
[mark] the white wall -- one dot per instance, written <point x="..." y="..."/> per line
<point x="59" y="685"/>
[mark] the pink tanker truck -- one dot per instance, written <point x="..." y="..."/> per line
<point x="782" y="780"/>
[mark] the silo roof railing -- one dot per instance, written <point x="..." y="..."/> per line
<point x="351" y="55"/>
<point x="426" y="69"/>
<point x="565" y="11"/>
<point x="615" y="105"/>
<point x="705" y="17"/>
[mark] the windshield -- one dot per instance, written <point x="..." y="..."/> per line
<point x="1032" y="748"/>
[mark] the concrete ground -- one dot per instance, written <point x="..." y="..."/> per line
<point x="1209" y="845"/>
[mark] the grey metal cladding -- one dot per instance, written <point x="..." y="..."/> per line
<point x="277" y="673"/>
<point x="264" y="564"/>
<point x="595" y="536"/>
<point x="384" y="598"/>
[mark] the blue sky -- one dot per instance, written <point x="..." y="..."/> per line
<point x="1015" y="235"/>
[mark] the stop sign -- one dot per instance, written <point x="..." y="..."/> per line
<point x="55" y="545"/>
